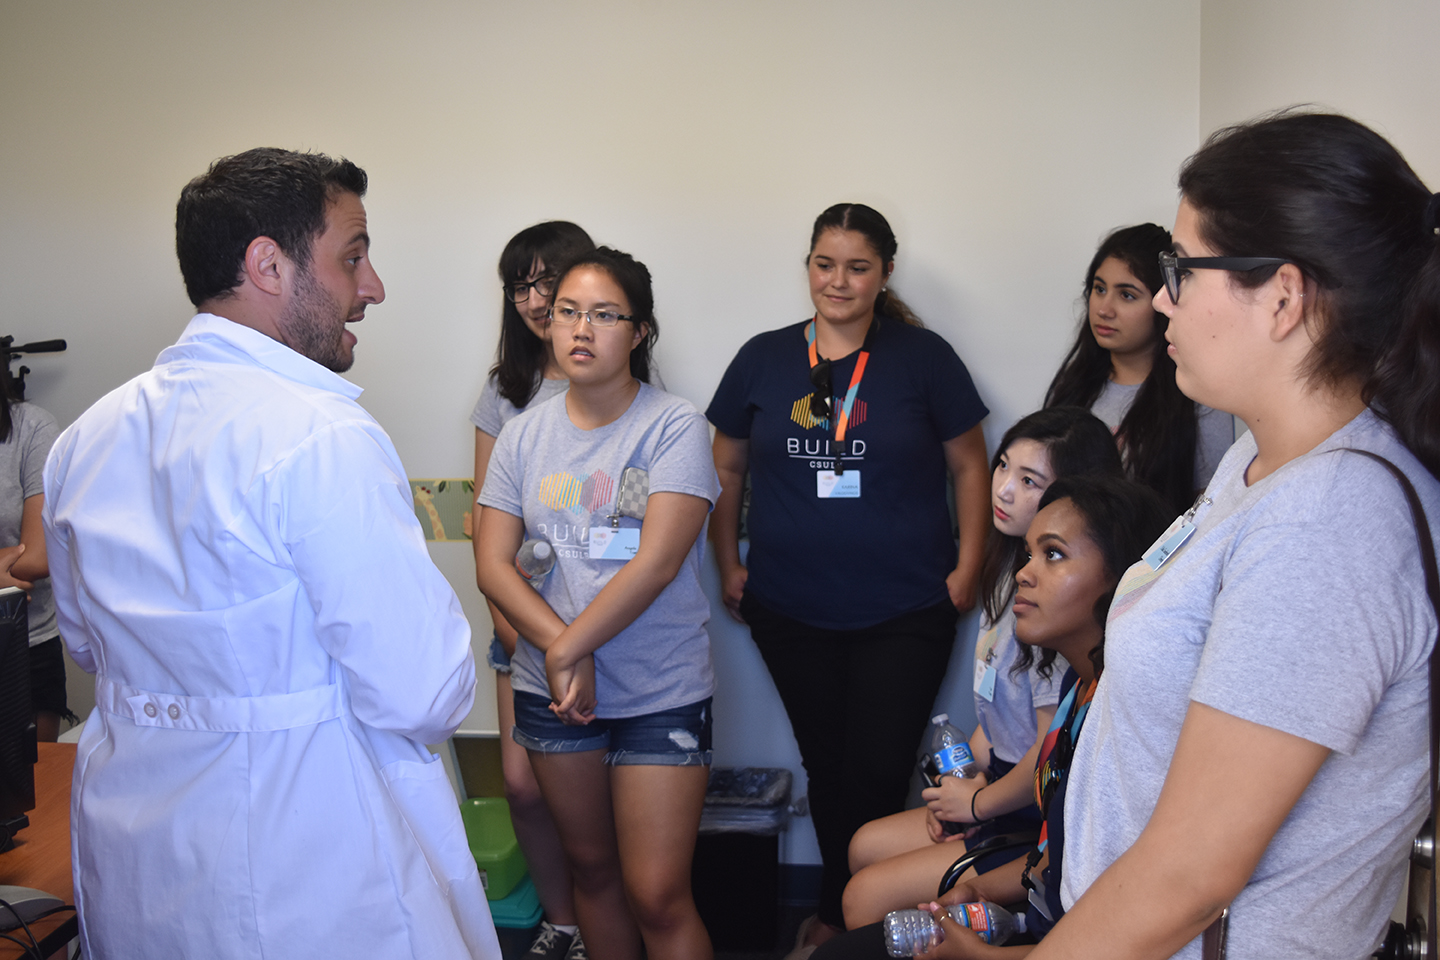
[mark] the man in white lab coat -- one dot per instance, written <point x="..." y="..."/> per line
<point x="235" y="555"/>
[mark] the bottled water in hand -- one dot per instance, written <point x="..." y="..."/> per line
<point x="911" y="932"/>
<point x="949" y="748"/>
<point x="535" y="561"/>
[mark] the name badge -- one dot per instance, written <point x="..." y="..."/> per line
<point x="828" y="486"/>
<point x="985" y="681"/>
<point x="611" y="543"/>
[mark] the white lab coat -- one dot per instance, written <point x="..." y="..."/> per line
<point x="236" y="557"/>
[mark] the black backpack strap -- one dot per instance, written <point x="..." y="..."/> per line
<point x="1432" y="587"/>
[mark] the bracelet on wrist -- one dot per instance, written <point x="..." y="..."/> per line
<point x="975" y="817"/>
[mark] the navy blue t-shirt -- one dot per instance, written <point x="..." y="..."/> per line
<point x="846" y="563"/>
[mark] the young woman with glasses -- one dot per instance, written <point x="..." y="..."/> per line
<point x="1265" y="700"/>
<point x="896" y="860"/>
<point x="612" y="672"/>
<point x="526" y="373"/>
<point x="848" y="423"/>
<point x="1119" y="369"/>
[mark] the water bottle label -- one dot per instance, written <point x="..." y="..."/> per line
<point x="954" y="758"/>
<point x="977" y="918"/>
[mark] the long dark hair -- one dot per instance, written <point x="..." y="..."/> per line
<point x="520" y="358"/>
<point x="1077" y="443"/>
<point x="869" y="223"/>
<point x="1122" y="518"/>
<point x="633" y="278"/>
<point x="1336" y="199"/>
<point x="1158" y="431"/>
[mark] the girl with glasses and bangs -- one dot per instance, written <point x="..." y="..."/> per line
<point x="526" y="373"/>
<point x="612" y="674"/>
<point x="1267" y="668"/>
<point x="1119" y="369"/>
<point x="898" y="859"/>
<point x="858" y="427"/>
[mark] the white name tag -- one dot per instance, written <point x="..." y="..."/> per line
<point x="1171" y="540"/>
<point x="830" y="487"/>
<point x="608" y="543"/>
<point x="985" y="681"/>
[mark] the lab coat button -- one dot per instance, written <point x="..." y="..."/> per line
<point x="150" y="710"/>
<point x="174" y="712"/>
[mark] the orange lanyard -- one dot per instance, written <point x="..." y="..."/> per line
<point x="844" y="418"/>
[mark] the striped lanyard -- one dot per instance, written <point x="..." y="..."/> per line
<point x="1056" y="750"/>
<point x="855" y="378"/>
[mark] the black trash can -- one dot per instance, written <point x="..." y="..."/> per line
<point x="736" y="874"/>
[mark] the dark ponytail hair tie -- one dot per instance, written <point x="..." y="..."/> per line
<point x="1432" y="214"/>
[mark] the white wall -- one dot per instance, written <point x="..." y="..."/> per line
<point x="1374" y="60"/>
<point x="1002" y="140"/>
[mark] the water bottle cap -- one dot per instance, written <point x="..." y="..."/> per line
<point x="940" y="718"/>
<point x="542" y="549"/>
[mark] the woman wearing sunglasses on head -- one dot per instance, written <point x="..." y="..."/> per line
<point x="1119" y="369"/>
<point x="612" y="672"/>
<point x="1265" y="695"/>
<point x="848" y="423"/>
<point x="525" y="374"/>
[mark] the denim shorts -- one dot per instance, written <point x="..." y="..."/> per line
<point x="497" y="658"/>
<point x="678" y="737"/>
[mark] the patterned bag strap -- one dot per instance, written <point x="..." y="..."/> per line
<point x="1422" y="858"/>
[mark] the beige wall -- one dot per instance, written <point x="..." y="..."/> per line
<point x="1002" y="140"/>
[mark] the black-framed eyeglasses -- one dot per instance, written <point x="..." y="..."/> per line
<point x="569" y="316"/>
<point x="519" y="291"/>
<point x="1172" y="267"/>
<point x="820" y="399"/>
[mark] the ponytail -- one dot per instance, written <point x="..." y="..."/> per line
<point x="889" y="304"/>
<point x="1405" y="388"/>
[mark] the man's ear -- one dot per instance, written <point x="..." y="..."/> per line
<point x="1288" y="299"/>
<point x="263" y="265"/>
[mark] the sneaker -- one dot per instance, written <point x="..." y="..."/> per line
<point x="551" y="943"/>
<point x="577" y="950"/>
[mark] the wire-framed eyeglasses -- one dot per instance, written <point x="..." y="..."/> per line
<point x="1173" y="268"/>
<point x="569" y="316"/>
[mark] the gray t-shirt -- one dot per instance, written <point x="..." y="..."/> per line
<point x="1008" y="717"/>
<point x="1214" y="429"/>
<point x="1298" y="604"/>
<point x="22" y="462"/>
<point x="562" y="481"/>
<point x="493" y="411"/>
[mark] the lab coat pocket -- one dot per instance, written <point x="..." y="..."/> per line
<point x="422" y="793"/>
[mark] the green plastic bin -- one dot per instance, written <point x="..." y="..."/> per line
<point x="493" y="844"/>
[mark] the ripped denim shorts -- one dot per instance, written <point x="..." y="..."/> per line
<point x="678" y="737"/>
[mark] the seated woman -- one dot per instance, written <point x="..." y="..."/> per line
<point x="896" y="859"/>
<point x="1086" y="532"/>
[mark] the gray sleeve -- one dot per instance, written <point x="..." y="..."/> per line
<point x="491" y="410"/>
<point x="683" y="462"/>
<point x="1314" y="621"/>
<point x="1214" y="434"/>
<point x="42" y="431"/>
<point x="504" y="478"/>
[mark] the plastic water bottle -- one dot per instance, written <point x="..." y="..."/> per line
<point x="535" y="561"/>
<point x="949" y="748"/>
<point x="910" y="932"/>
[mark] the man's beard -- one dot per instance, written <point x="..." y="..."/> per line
<point x="314" y="325"/>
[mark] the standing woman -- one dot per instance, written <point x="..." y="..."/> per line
<point x="27" y="433"/>
<point x="612" y="672"/>
<point x="1119" y="369"/>
<point x="848" y="422"/>
<point x="526" y="373"/>
<point x="1265" y="697"/>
